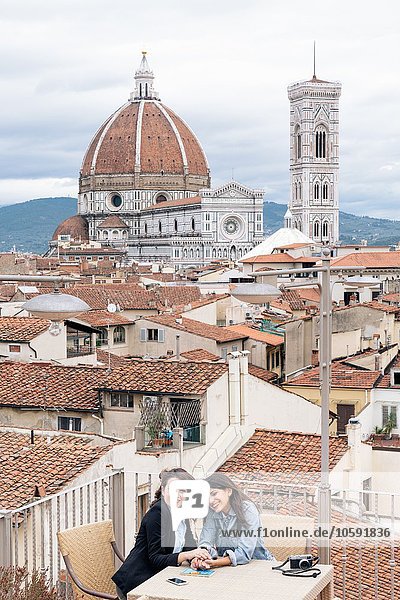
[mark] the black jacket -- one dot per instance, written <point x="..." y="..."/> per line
<point x="150" y="554"/>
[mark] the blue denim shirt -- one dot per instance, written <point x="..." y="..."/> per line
<point x="239" y="547"/>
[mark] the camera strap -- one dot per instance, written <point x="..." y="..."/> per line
<point x="310" y="572"/>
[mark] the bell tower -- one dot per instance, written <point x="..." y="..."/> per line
<point x="314" y="158"/>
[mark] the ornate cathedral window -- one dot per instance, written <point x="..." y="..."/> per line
<point x="325" y="230"/>
<point x="320" y="143"/>
<point x="316" y="191"/>
<point x="316" y="228"/>
<point x="325" y="191"/>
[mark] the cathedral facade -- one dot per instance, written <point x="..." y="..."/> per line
<point x="145" y="183"/>
<point x="314" y="159"/>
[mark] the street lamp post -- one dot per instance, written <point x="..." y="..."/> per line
<point x="324" y="502"/>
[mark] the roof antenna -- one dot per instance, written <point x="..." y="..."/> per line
<point x="314" y="76"/>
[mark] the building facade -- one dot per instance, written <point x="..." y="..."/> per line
<point x="145" y="184"/>
<point x="314" y="159"/>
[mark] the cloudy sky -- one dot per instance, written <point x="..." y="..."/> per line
<point x="223" y="65"/>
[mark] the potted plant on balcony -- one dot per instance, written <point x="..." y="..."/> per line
<point x="154" y="428"/>
<point x="389" y="426"/>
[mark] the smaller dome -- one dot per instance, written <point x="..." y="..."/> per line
<point x="76" y="226"/>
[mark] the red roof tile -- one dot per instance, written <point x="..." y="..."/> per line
<point x="256" y="334"/>
<point x="199" y="354"/>
<point x="158" y="376"/>
<point x="342" y="376"/>
<point x="103" y="318"/>
<point x="219" y="334"/>
<point x="21" y="329"/>
<point x="52" y="462"/>
<point x="271" y="451"/>
<point x="174" y="203"/>
<point x="379" y="260"/>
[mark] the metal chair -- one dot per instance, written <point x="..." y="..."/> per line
<point x="89" y="555"/>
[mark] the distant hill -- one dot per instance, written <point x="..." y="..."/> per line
<point x="28" y="226"/>
<point x="353" y="229"/>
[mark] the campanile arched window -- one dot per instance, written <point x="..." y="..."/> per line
<point x="325" y="230"/>
<point x="297" y="142"/>
<point x="316" y="229"/>
<point x="316" y="191"/>
<point x="325" y="191"/>
<point x="320" y="143"/>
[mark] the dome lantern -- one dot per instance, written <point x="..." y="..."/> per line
<point x="144" y="79"/>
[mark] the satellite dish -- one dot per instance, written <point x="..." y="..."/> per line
<point x="111" y="308"/>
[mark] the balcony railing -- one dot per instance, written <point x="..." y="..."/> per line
<point x="363" y="570"/>
<point x="81" y="351"/>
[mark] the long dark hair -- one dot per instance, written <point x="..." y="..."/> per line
<point x="222" y="482"/>
<point x="165" y="476"/>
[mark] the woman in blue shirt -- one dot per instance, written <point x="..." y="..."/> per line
<point x="232" y="530"/>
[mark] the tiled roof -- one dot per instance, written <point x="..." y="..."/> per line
<point x="385" y="380"/>
<point x="383" y="260"/>
<point x="199" y="354"/>
<point x="261" y="373"/>
<point x="106" y="358"/>
<point x="273" y="451"/>
<point x="113" y="221"/>
<point x="158" y="376"/>
<point x="290" y="298"/>
<point x="76" y="226"/>
<point x="256" y="334"/>
<point x="377" y="441"/>
<point x="51" y="462"/>
<point x="310" y="295"/>
<point x="174" y="203"/>
<point x="281" y="257"/>
<point x="177" y="295"/>
<point x="391" y="297"/>
<point x="21" y="329"/>
<point x="342" y="376"/>
<point x="102" y="318"/>
<point x="213" y="332"/>
<point x="128" y="296"/>
<point x="387" y="308"/>
<point x="208" y="299"/>
<point x="7" y="290"/>
<point x="52" y="386"/>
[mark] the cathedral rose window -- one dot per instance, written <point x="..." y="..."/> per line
<point x="116" y="201"/>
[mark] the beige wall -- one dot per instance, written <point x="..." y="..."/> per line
<point x="46" y="419"/>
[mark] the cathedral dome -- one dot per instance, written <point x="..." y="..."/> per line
<point x="76" y="227"/>
<point x="145" y="138"/>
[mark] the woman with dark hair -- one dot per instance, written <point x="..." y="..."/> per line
<point x="157" y="546"/>
<point x="232" y="529"/>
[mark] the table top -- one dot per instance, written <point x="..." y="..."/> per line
<point x="244" y="582"/>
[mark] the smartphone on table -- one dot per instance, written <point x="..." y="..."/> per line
<point x="177" y="581"/>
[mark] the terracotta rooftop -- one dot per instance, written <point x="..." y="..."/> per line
<point x="103" y="318"/>
<point x="113" y="221"/>
<point x="385" y="379"/>
<point x="208" y="299"/>
<point x="128" y="296"/>
<point x="174" y="203"/>
<point x="342" y="376"/>
<point x="387" y="308"/>
<point x="256" y="334"/>
<point x="391" y="298"/>
<point x="213" y="332"/>
<point x="21" y="329"/>
<point x="281" y="257"/>
<point x="272" y="451"/>
<point x="289" y="299"/>
<point x="380" y="260"/>
<point x="50" y="463"/>
<point x="199" y="354"/>
<point x="105" y="358"/>
<point x="261" y="373"/>
<point x="158" y="376"/>
<point x="309" y="295"/>
<point x="39" y="385"/>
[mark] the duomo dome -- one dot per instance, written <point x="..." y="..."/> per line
<point x="144" y="145"/>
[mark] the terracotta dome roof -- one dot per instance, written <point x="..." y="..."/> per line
<point x="76" y="226"/>
<point x="147" y="137"/>
<point x="113" y="222"/>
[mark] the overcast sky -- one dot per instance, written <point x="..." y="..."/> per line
<point x="223" y="65"/>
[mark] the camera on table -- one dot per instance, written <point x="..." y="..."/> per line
<point x="301" y="561"/>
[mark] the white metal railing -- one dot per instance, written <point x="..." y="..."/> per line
<point x="29" y="534"/>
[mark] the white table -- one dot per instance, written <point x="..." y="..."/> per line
<point x="253" y="581"/>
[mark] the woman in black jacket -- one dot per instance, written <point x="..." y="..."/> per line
<point x="151" y="552"/>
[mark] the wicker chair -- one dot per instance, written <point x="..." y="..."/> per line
<point x="282" y="547"/>
<point x="88" y="552"/>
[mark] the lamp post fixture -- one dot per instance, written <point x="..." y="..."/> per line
<point x="55" y="307"/>
<point x="324" y="502"/>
